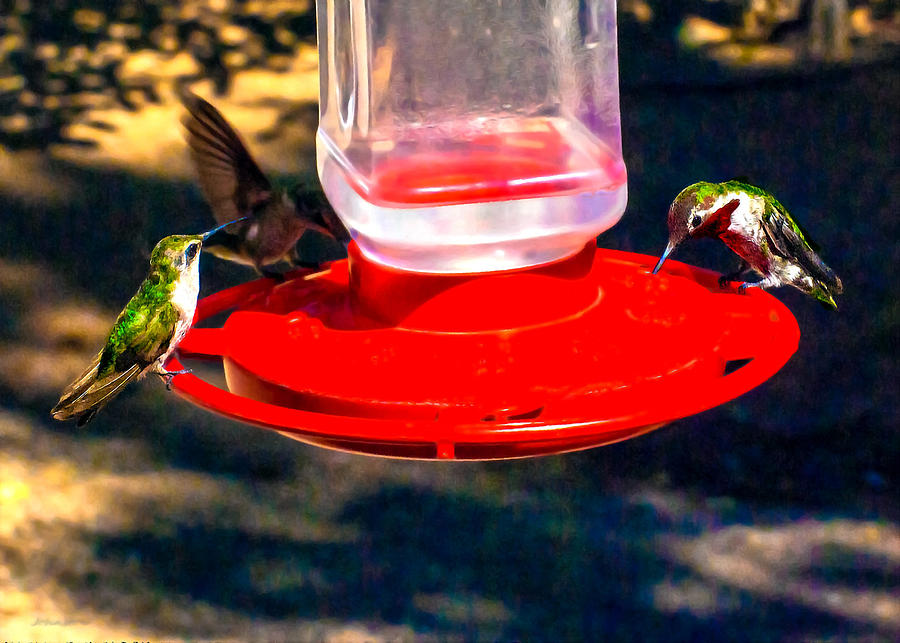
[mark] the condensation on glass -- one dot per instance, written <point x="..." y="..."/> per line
<point x="470" y="135"/>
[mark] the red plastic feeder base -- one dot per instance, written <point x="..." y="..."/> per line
<point x="577" y="354"/>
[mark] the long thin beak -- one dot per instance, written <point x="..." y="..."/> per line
<point x="206" y="235"/>
<point x="669" y="248"/>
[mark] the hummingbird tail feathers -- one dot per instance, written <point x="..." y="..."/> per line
<point x="824" y="294"/>
<point x="87" y="395"/>
<point x="827" y="301"/>
<point x="77" y="388"/>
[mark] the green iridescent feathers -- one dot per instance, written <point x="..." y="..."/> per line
<point x="141" y="335"/>
<point x="142" y="331"/>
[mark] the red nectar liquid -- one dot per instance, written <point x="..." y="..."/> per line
<point x="475" y="196"/>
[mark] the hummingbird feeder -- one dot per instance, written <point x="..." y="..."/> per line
<point x="474" y="154"/>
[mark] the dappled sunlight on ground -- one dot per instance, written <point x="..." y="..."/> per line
<point x="763" y="56"/>
<point x="151" y="140"/>
<point x="62" y="495"/>
<point x="100" y="540"/>
<point x="823" y="564"/>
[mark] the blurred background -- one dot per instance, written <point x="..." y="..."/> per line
<point x="773" y="517"/>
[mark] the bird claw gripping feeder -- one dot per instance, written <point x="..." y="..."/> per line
<point x="473" y="150"/>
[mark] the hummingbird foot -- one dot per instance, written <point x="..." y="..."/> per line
<point x="724" y="280"/>
<point x="742" y="288"/>
<point x="168" y="376"/>
<point x="768" y="282"/>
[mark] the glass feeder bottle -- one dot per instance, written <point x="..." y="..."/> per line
<point x="470" y="135"/>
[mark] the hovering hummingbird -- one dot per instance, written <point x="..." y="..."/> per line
<point x="234" y="186"/>
<point x="146" y="331"/>
<point x="759" y="230"/>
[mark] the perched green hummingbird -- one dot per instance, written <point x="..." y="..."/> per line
<point x="759" y="230"/>
<point x="235" y="186"/>
<point x="146" y="331"/>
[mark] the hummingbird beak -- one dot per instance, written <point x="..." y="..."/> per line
<point x="669" y="248"/>
<point x="206" y="235"/>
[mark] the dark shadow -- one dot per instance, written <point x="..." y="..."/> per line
<point x="846" y="468"/>
<point x="553" y="572"/>
<point x="848" y="568"/>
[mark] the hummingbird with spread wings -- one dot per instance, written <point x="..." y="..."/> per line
<point x="759" y="230"/>
<point x="146" y="331"/>
<point x="235" y="186"/>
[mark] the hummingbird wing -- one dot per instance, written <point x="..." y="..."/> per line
<point x="788" y="240"/>
<point x="143" y="332"/>
<point x="334" y="225"/>
<point x="231" y="181"/>
<point x="313" y="206"/>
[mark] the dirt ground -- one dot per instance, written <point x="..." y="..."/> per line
<point x="773" y="517"/>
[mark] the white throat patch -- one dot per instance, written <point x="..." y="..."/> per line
<point x="187" y="288"/>
<point x="184" y="298"/>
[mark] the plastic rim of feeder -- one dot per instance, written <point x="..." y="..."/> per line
<point x="577" y="354"/>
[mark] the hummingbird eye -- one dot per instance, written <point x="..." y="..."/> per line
<point x="697" y="220"/>
<point x="191" y="251"/>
